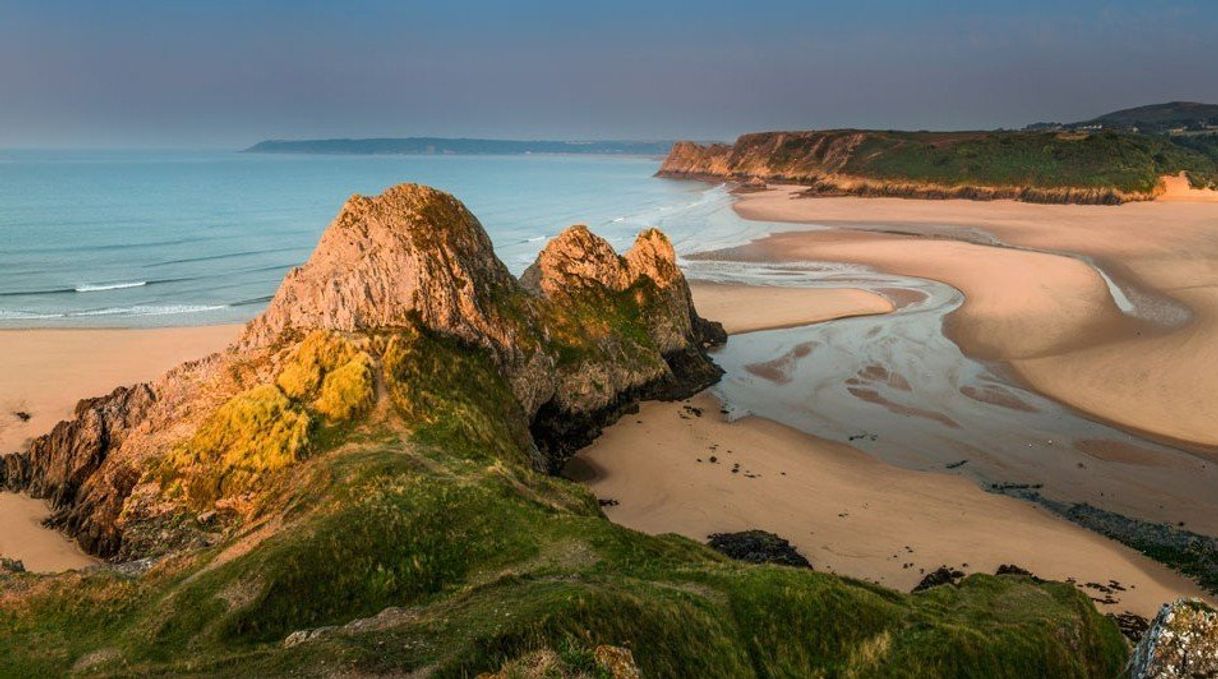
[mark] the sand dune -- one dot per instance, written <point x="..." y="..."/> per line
<point x="1047" y="314"/>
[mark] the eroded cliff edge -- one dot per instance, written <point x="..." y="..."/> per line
<point x="1042" y="167"/>
<point x="581" y="338"/>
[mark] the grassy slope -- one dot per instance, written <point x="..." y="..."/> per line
<point x="430" y="505"/>
<point x="1126" y="162"/>
<point x="1046" y="160"/>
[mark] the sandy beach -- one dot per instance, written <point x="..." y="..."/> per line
<point x="684" y="468"/>
<point x="749" y="308"/>
<point x="22" y="537"/>
<point x="45" y="372"/>
<point x="1035" y="299"/>
<point x="672" y="470"/>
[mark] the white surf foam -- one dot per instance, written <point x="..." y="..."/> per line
<point x="99" y="287"/>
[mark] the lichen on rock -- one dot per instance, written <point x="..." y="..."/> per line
<point x="1182" y="643"/>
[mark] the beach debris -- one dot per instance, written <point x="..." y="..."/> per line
<point x="22" y="415"/>
<point x="1182" y="641"/>
<point x="692" y="410"/>
<point x="943" y="575"/>
<point x="8" y="565"/>
<point x="1012" y="569"/>
<point x="955" y="465"/>
<point x="758" y="546"/>
<point x="607" y="502"/>
<point x="1004" y="487"/>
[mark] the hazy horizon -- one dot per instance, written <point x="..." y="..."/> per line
<point x="225" y="75"/>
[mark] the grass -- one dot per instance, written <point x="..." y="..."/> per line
<point x="438" y="515"/>
<point x="1125" y="162"/>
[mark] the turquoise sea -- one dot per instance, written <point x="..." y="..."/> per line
<point x="122" y="239"/>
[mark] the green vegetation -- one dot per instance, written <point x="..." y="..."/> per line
<point x="435" y="514"/>
<point x="1044" y="160"/>
<point x="255" y="432"/>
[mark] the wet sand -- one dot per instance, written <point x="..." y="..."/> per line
<point x="44" y="373"/>
<point x="1049" y="314"/>
<point x="847" y="512"/>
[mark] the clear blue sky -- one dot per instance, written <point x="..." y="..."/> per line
<point x="225" y="74"/>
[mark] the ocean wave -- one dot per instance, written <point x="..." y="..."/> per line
<point x="148" y="310"/>
<point x="136" y="310"/>
<point x="226" y="255"/>
<point x="100" y="287"/>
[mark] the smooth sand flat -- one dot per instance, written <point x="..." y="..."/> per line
<point x="46" y="372"/>
<point x="748" y="308"/>
<point x="845" y="511"/>
<point x="1049" y="315"/>
<point x="23" y="537"/>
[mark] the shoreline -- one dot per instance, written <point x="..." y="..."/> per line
<point x="1105" y="362"/>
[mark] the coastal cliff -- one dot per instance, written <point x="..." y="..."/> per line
<point x="361" y="486"/>
<point x="583" y="338"/>
<point x="1040" y="167"/>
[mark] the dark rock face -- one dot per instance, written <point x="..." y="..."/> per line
<point x="1132" y="625"/>
<point x="758" y="546"/>
<point x="560" y="433"/>
<point x="63" y="467"/>
<point x="1012" y="569"/>
<point x="942" y="575"/>
<point x="1181" y="643"/>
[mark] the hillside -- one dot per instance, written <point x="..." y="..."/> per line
<point x="1051" y="167"/>
<point x="442" y="146"/>
<point x="359" y="486"/>
<point x="1157" y="118"/>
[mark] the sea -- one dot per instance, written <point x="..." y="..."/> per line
<point x="160" y="238"/>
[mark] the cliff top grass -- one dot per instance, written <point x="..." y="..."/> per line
<point x="1107" y="160"/>
<point x="459" y="557"/>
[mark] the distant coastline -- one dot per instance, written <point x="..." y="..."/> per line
<point x="458" y="146"/>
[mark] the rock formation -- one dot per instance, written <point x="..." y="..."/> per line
<point x="1182" y="642"/>
<point x="585" y="336"/>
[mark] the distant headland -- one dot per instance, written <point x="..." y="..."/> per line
<point x="1114" y="158"/>
<point x="458" y="147"/>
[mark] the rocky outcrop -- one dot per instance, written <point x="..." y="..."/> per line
<point x="581" y="339"/>
<point x="846" y="163"/>
<point x="66" y="467"/>
<point x="1181" y="643"/>
<point x="758" y="546"/>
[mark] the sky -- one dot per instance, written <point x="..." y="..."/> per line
<point x="226" y="74"/>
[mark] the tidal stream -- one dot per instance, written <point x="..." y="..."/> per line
<point x="896" y="387"/>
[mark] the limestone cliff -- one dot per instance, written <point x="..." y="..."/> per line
<point x="585" y="335"/>
<point x="1032" y="167"/>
